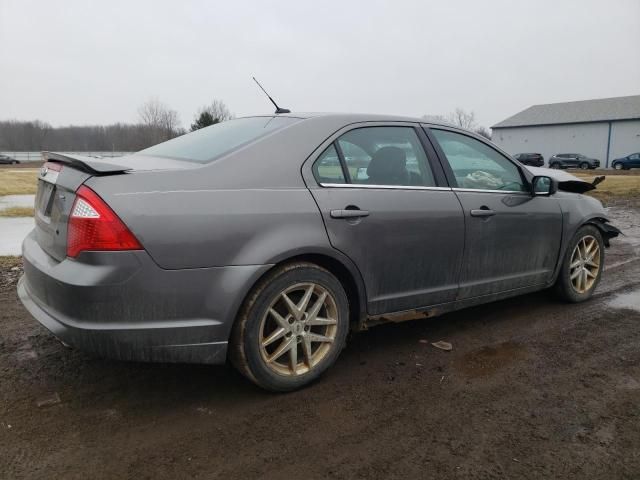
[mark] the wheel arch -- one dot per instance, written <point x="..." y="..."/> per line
<point x="607" y="230"/>
<point x="338" y="265"/>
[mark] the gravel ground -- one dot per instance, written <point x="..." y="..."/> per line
<point x="533" y="388"/>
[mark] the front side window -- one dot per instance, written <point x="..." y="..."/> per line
<point x="207" y="144"/>
<point x="475" y="165"/>
<point x="385" y="156"/>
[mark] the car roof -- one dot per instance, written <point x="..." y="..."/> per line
<point x="356" y="117"/>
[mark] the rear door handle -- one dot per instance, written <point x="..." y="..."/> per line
<point x="349" y="213"/>
<point x="482" y="212"/>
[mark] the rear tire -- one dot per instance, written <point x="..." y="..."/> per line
<point x="297" y="306"/>
<point x="582" y="266"/>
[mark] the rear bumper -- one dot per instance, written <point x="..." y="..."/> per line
<point x="122" y="305"/>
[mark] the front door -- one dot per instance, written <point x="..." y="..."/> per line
<point x="512" y="239"/>
<point x="385" y="209"/>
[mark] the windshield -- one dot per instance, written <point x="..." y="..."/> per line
<point x="207" y="144"/>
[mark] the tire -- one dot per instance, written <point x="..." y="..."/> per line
<point x="617" y="166"/>
<point x="572" y="289"/>
<point x="555" y="166"/>
<point x="584" y="166"/>
<point x="265" y="316"/>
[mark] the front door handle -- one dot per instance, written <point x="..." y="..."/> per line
<point x="349" y="213"/>
<point x="483" y="212"/>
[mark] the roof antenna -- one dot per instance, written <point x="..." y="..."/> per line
<point x="278" y="109"/>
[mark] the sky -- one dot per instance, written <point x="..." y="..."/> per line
<point x="95" y="62"/>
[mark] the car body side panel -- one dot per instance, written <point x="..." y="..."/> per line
<point x="409" y="249"/>
<point x="206" y="228"/>
<point x="577" y="210"/>
<point x="517" y="247"/>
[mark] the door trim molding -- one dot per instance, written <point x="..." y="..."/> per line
<point x="384" y="187"/>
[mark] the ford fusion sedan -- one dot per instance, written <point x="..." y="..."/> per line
<point x="264" y="240"/>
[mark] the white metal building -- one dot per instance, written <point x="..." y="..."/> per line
<point x="605" y="129"/>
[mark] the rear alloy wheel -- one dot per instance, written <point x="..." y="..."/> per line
<point x="292" y="328"/>
<point x="582" y="266"/>
<point x="584" y="166"/>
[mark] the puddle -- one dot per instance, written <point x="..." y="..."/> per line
<point x="489" y="359"/>
<point x="629" y="301"/>
<point x="8" y="201"/>
<point x="12" y="232"/>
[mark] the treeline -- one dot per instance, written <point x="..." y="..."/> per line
<point x="156" y="124"/>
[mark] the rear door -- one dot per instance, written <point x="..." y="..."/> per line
<point x="512" y="239"/>
<point x="386" y="205"/>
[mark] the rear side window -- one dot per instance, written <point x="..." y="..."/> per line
<point x="327" y="168"/>
<point x="385" y="156"/>
<point x="207" y="144"/>
<point x="475" y="165"/>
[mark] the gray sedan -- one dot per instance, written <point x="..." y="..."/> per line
<point x="265" y="240"/>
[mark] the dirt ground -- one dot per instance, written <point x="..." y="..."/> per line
<point x="534" y="388"/>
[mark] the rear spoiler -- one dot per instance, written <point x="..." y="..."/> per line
<point x="85" y="163"/>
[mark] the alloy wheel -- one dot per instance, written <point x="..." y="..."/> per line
<point x="298" y="329"/>
<point x="618" y="166"/>
<point x="585" y="264"/>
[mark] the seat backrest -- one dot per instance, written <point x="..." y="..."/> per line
<point x="388" y="166"/>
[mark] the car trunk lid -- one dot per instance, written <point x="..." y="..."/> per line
<point x="60" y="178"/>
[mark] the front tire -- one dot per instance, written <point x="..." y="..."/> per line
<point x="584" y="166"/>
<point x="582" y="266"/>
<point x="291" y="328"/>
<point x="555" y="166"/>
<point x="617" y="166"/>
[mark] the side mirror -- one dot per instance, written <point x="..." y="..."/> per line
<point x="543" y="185"/>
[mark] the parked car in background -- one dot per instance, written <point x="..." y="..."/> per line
<point x="625" y="163"/>
<point x="7" y="160"/>
<point x="573" y="160"/>
<point x="533" y="159"/>
<point x="265" y="240"/>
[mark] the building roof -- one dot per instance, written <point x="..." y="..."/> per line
<point x="585" y="111"/>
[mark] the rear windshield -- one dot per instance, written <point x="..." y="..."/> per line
<point x="207" y="144"/>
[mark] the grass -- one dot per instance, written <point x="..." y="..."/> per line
<point x="614" y="186"/>
<point x="9" y="261"/>
<point x="17" y="212"/>
<point x="18" y="181"/>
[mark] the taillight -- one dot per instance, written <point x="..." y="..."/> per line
<point x="94" y="226"/>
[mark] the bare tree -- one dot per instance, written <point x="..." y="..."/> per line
<point x="211" y="114"/>
<point x="219" y="111"/>
<point x="436" y="119"/>
<point x="484" y="131"/>
<point x="463" y="119"/>
<point x="160" y="121"/>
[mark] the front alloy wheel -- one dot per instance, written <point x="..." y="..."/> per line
<point x="618" y="166"/>
<point x="582" y="266"/>
<point x="291" y="328"/>
<point x="585" y="264"/>
<point x="584" y="166"/>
